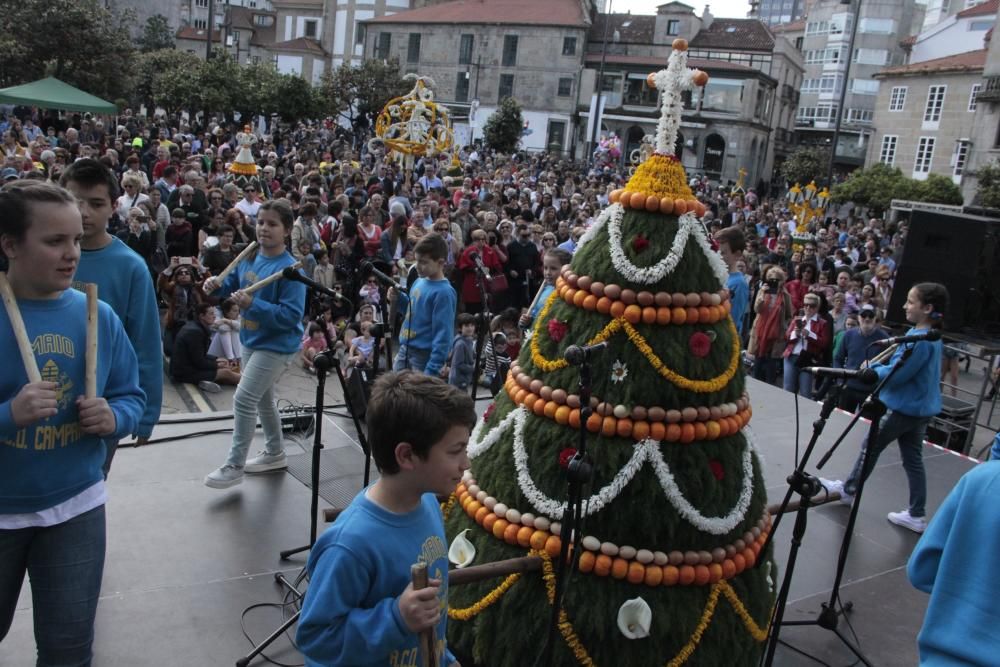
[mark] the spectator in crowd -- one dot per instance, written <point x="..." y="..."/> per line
<point x="857" y="348"/>
<point x="191" y="361"/>
<point x="807" y="340"/>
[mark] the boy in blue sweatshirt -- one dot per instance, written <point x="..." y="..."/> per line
<point x="361" y="608"/>
<point x="52" y="437"/>
<point x="123" y="283"/>
<point x="429" y="323"/>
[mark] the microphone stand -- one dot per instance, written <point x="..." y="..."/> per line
<point x="322" y="363"/>
<point x="482" y="330"/>
<point x="806" y="486"/>
<point x="579" y="473"/>
<point x="873" y="409"/>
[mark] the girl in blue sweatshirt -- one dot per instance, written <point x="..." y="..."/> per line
<point x="270" y="332"/>
<point x="52" y="439"/>
<point x="913" y="397"/>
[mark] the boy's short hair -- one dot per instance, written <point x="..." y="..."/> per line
<point x="433" y="246"/>
<point x="90" y="172"/>
<point x="466" y="318"/>
<point x="178" y="213"/>
<point x="733" y="237"/>
<point x="422" y="406"/>
<point x="563" y="256"/>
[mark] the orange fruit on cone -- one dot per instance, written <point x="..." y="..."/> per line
<point x="701" y="575"/>
<point x="638" y="201"/>
<point x="657" y="431"/>
<point x="640" y="430"/>
<point x="602" y="565"/>
<point x="654" y="575"/>
<point x="666" y="205"/>
<point x="633" y="314"/>
<point x="671" y="575"/>
<point x="587" y="561"/>
<point x="636" y="572"/>
<point x="686" y="575"/>
<point x="538" y="539"/>
<point x="663" y="315"/>
<point x="619" y="568"/>
<point x="617" y="309"/>
<point x="649" y="315"/>
<point x="680" y="206"/>
<point x="524" y="534"/>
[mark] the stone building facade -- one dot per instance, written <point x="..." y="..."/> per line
<point x="478" y="54"/>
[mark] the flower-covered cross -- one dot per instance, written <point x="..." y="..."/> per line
<point x="672" y="82"/>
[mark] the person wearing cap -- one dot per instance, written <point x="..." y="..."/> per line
<point x="856" y="348"/>
<point x="8" y="174"/>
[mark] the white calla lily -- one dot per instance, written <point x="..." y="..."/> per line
<point x="461" y="552"/>
<point x="635" y="618"/>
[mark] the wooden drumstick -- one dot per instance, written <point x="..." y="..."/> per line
<point x="883" y="355"/>
<point x="233" y="264"/>
<point x="260" y="284"/>
<point x="20" y="333"/>
<point x="428" y="640"/>
<point x="90" y="390"/>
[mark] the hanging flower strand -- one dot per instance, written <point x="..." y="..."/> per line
<point x="672" y="82"/>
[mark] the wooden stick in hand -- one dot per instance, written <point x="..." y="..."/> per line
<point x="90" y="359"/>
<point x="20" y="333"/>
<point x="233" y="264"/>
<point x="428" y="640"/>
<point x="260" y="284"/>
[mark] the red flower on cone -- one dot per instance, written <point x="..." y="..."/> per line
<point x="557" y="330"/>
<point x="565" y="456"/>
<point x="640" y="243"/>
<point x="717" y="469"/>
<point x="700" y="344"/>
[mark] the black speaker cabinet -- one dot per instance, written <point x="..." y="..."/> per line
<point x="962" y="252"/>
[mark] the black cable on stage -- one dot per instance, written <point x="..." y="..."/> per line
<point x="283" y="606"/>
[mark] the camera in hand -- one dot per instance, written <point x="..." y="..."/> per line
<point x="771" y="284"/>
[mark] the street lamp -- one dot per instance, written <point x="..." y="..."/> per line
<point x="855" y="19"/>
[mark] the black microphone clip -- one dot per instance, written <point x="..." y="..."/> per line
<point x="581" y="354"/>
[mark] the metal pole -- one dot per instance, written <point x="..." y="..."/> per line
<point x="208" y="39"/>
<point x="843" y="94"/>
<point x="592" y="139"/>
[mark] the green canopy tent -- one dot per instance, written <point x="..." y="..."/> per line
<point x="51" y="93"/>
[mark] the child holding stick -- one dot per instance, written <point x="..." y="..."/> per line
<point x="269" y="334"/>
<point x="52" y="438"/>
<point x="552" y="263"/>
<point x="361" y="607"/>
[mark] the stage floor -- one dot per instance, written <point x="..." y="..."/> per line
<point x="185" y="561"/>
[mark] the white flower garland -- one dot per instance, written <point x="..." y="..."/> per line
<point x="647" y="450"/>
<point x="476" y="447"/>
<point x="598" y="224"/>
<point x="656" y="272"/>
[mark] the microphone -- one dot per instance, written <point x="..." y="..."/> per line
<point x="866" y="375"/>
<point x="474" y="256"/>
<point x="580" y="354"/>
<point x="929" y="334"/>
<point x="288" y="273"/>
<point x="382" y="277"/>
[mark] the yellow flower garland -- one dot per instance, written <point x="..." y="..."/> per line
<point x="491" y="598"/>
<point x="698" y="386"/>
<point x="723" y="587"/>
<point x="447" y="505"/>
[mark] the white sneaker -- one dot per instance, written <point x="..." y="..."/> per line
<point x="837" y="486"/>
<point x="265" y="462"/>
<point x="225" y="477"/>
<point x="916" y="524"/>
<point x="209" y="386"/>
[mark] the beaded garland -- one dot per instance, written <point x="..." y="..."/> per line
<point x="643" y="298"/>
<point x="649" y="314"/>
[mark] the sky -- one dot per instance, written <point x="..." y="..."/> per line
<point x="732" y="9"/>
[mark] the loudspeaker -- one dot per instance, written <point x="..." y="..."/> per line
<point x="961" y="252"/>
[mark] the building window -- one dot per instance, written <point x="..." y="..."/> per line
<point x="565" y="86"/>
<point x="973" y="95"/>
<point x="925" y="152"/>
<point x="898" y="98"/>
<point x="201" y="3"/>
<point x="201" y="24"/>
<point x="465" y="50"/>
<point x="413" y="48"/>
<point x="871" y="56"/>
<point x="673" y="27"/>
<point x="877" y="26"/>
<point x="888" y="153"/>
<point x="462" y="87"/>
<point x="569" y="46"/>
<point x="310" y="29"/>
<point x="262" y="20"/>
<point x="960" y="157"/>
<point x="859" y="116"/>
<point x="383" y="45"/>
<point x="864" y="86"/>
<point x="509" y="51"/>
<point x="980" y="25"/>
<point x="935" y="101"/>
<point x="506" y="87"/>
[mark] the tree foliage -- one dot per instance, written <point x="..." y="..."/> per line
<point x="988" y="188"/>
<point x="504" y="127"/>
<point x="806" y="164"/>
<point x="78" y="41"/>
<point x="357" y="94"/>
<point x="156" y="34"/>
<point x="166" y="78"/>
<point x="876" y="187"/>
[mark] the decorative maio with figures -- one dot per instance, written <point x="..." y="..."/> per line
<point x="675" y="516"/>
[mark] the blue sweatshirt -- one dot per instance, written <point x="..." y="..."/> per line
<point x="274" y="320"/>
<point x="854" y="349"/>
<point x="915" y="389"/>
<point x="358" y="569"/>
<point x="123" y="282"/>
<point x="541" y="301"/>
<point x="955" y="561"/>
<point x="50" y="461"/>
<point x="430" y="320"/>
<point x="739" y="296"/>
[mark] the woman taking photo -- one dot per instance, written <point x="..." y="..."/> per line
<point x="773" y="308"/>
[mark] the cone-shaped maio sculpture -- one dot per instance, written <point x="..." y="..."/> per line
<point x="675" y="516"/>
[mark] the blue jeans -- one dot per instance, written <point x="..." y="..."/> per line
<point x="65" y="565"/>
<point x="909" y="431"/>
<point x="411" y="358"/>
<point x="766" y="369"/>
<point x="255" y="395"/>
<point x="796" y="379"/>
